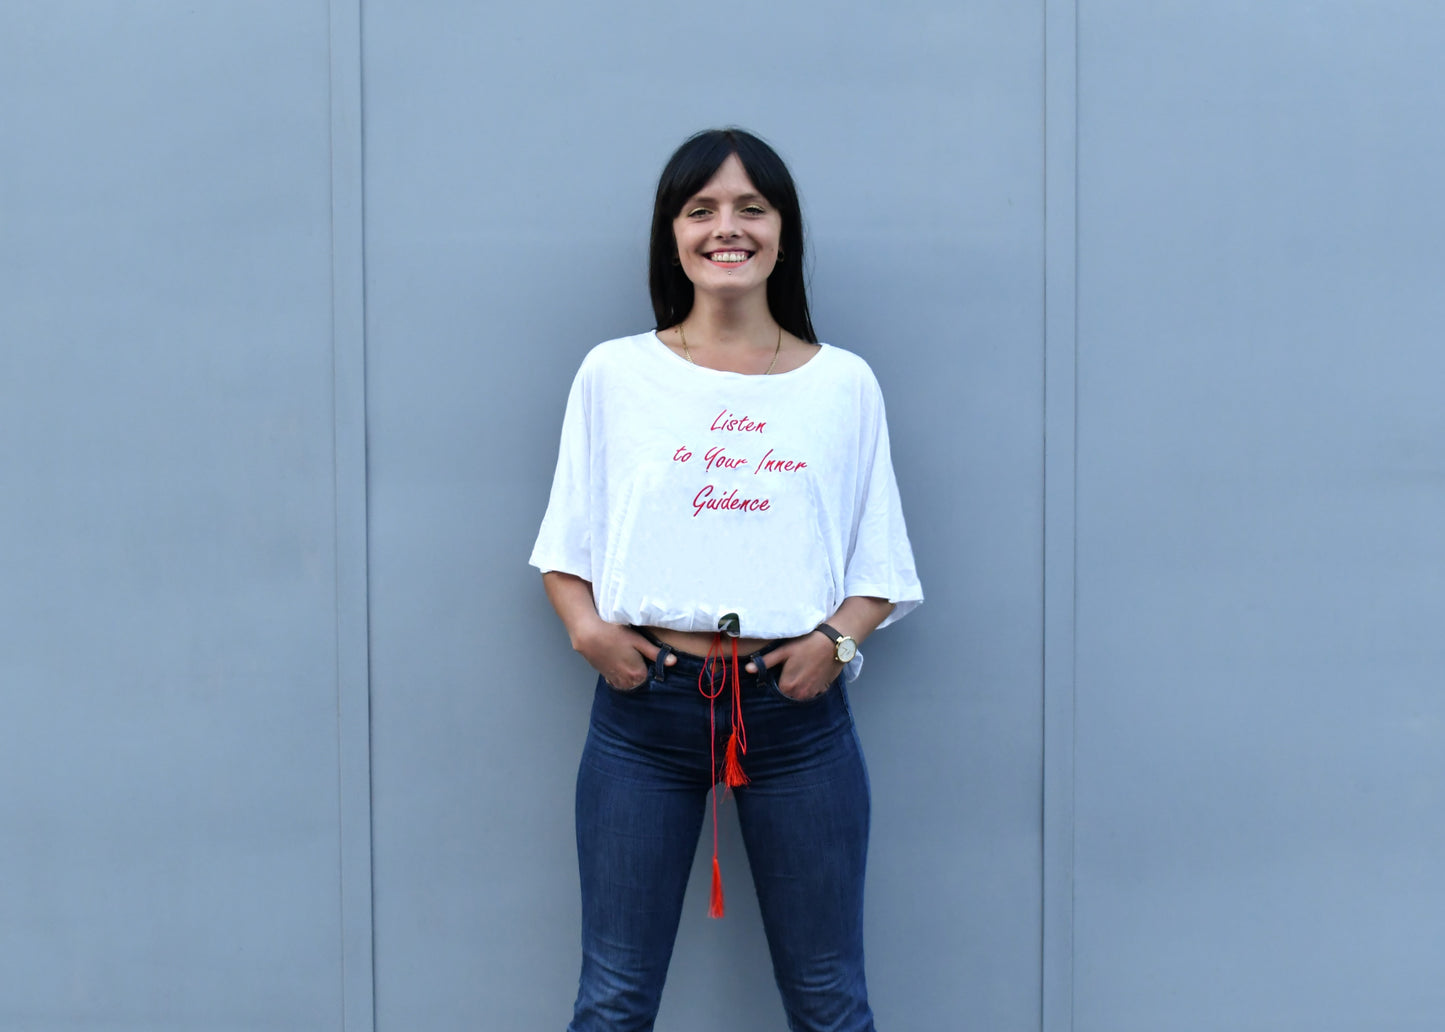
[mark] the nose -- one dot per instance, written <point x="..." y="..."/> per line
<point x="725" y="227"/>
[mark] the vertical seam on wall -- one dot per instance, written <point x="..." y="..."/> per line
<point x="353" y="662"/>
<point x="1060" y="523"/>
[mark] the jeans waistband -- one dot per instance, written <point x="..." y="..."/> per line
<point x="695" y="658"/>
<point x="689" y="665"/>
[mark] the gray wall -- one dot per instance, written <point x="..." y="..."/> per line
<point x="1261" y="495"/>
<point x="290" y="296"/>
<point x="168" y="540"/>
<point x="509" y="171"/>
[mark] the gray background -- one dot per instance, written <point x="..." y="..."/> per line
<point x="290" y="296"/>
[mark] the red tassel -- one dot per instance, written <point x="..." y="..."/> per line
<point x="732" y="769"/>
<point x="733" y="775"/>
<point x="715" y="907"/>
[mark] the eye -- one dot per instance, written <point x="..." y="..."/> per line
<point x="754" y="209"/>
<point x="697" y="213"/>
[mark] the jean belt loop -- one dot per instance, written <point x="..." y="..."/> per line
<point x="763" y="673"/>
<point x="659" y="665"/>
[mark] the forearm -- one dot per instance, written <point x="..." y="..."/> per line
<point x="571" y="596"/>
<point x="860" y="615"/>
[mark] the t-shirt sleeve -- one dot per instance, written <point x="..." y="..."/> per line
<point x="564" y="542"/>
<point x="880" y="557"/>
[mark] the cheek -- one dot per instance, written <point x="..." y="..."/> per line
<point x="679" y="237"/>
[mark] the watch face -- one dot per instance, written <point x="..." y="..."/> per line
<point x="846" y="650"/>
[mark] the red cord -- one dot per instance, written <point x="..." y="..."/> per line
<point x="737" y="741"/>
<point x="732" y="773"/>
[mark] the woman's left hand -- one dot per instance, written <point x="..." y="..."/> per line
<point x="804" y="667"/>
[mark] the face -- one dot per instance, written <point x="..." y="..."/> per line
<point x="727" y="233"/>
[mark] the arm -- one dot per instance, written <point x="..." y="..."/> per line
<point x="806" y="665"/>
<point x="618" y="653"/>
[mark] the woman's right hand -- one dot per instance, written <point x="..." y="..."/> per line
<point x="618" y="653"/>
<point x="621" y="655"/>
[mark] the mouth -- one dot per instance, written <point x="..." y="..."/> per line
<point x="729" y="258"/>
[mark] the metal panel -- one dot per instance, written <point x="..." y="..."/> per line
<point x="511" y="155"/>
<point x="1060" y="441"/>
<point x="168" y="582"/>
<point x="353" y="674"/>
<point x="1260" y="772"/>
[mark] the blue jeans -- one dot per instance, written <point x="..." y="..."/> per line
<point x="642" y="795"/>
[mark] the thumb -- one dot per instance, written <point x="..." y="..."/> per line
<point x="773" y="658"/>
<point x="650" y="650"/>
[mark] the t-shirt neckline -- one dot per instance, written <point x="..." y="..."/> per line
<point x="667" y="354"/>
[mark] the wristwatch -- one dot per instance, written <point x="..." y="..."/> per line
<point x="844" y="647"/>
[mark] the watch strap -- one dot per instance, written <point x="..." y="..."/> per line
<point x="844" y="647"/>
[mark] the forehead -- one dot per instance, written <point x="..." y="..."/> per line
<point x="730" y="180"/>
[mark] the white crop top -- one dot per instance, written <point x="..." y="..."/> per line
<point x="684" y="493"/>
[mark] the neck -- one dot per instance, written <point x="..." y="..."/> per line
<point x="742" y="322"/>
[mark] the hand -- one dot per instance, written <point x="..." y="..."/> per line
<point x="805" y="666"/>
<point x="621" y="655"/>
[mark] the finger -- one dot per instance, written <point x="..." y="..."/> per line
<point x="774" y="658"/>
<point x="812" y="692"/>
<point x="806" y="688"/>
<point x="796" y="693"/>
<point x="626" y="680"/>
<point x="648" y="650"/>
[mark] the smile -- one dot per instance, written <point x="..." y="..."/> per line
<point x="729" y="257"/>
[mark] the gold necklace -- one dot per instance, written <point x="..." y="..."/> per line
<point x="776" y="349"/>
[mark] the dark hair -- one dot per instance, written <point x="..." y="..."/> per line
<point x="686" y="172"/>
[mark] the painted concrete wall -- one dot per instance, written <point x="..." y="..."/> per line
<point x="1261" y="495"/>
<point x="511" y="156"/>
<point x="1152" y="291"/>
<point x="168" y="649"/>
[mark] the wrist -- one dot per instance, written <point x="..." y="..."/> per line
<point x="845" y="647"/>
<point x="586" y="633"/>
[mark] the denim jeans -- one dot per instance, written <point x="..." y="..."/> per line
<point x="642" y="796"/>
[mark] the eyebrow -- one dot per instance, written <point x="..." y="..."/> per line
<point x="747" y="198"/>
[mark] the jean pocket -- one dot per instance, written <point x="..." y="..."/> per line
<point x="612" y="689"/>
<point x="772" y="683"/>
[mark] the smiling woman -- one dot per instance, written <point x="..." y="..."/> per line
<point x="708" y="164"/>
<point x="727" y="235"/>
<point x="670" y="564"/>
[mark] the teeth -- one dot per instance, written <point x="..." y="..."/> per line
<point x="729" y="256"/>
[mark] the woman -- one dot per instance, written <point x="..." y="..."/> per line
<point x="723" y="530"/>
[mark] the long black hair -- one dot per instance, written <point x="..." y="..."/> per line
<point x="686" y="172"/>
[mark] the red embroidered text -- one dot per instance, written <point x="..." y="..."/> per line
<point x="704" y="499"/>
<point x="772" y="465"/>
<point x="741" y="424"/>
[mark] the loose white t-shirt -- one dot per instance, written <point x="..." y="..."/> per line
<point x="683" y="493"/>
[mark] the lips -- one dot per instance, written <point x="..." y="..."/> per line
<point x="729" y="257"/>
